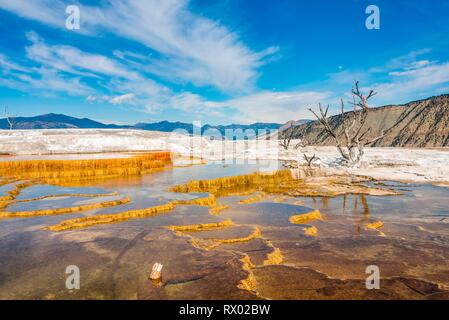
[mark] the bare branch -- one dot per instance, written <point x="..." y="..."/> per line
<point x="287" y="136"/>
<point x="353" y="126"/>
<point x="10" y="118"/>
<point x="310" y="160"/>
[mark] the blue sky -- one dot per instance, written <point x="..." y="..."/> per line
<point x="218" y="62"/>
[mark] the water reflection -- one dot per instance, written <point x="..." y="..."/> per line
<point x="124" y="253"/>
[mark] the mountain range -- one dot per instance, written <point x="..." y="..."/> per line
<point x="422" y="123"/>
<point x="61" y="121"/>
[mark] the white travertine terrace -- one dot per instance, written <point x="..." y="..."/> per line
<point x="419" y="165"/>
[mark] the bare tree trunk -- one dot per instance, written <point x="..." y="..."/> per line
<point x="10" y="119"/>
<point x="287" y="136"/>
<point x="353" y="138"/>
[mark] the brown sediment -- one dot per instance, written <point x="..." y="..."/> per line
<point x="59" y="211"/>
<point x="201" y="243"/>
<point x="203" y="226"/>
<point x="111" y="218"/>
<point x="215" y="210"/>
<point x="311" y="231"/>
<point x="306" y="217"/>
<point x="249" y="283"/>
<point x="258" y="197"/>
<point x="73" y="172"/>
<point x="274" y="257"/>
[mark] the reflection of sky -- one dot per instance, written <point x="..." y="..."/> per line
<point x="58" y="202"/>
<point x="421" y="201"/>
<point x="47" y="190"/>
<point x="27" y="245"/>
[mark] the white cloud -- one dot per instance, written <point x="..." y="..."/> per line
<point x="7" y="65"/>
<point x="125" y="98"/>
<point x="194" y="48"/>
<point x="184" y="47"/>
<point x="268" y="106"/>
<point x="45" y="11"/>
<point x="410" y="84"/>
<point x="66" y="69"/>
<point x="399" y="80"/>
<point x="128" y="98"/>
<point x="401" y="62"/>
<point x="47" y="81"/>
<point x="73" y="60"/>
<point x="264" y="106"/>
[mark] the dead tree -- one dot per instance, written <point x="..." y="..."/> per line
<point x="10" y="119"/>
<point x="352" y="139"/>
<point x="287" y="136"/>
<point x="299" y="132"/>
<point x="303" y="143"/>
<point x="310" y="160"/>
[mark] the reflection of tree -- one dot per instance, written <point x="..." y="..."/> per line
<point x="325" y="202"/>
<point x="364" y="202"/>
<point x="366" y="211"/>
<point x="343" y="209"/>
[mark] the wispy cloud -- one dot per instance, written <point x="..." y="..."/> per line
<point x="128" y="98"/>
<point x="415" y="81"/>
<point x="177" y="46"/>
<point x="46" y="82"/>
<point x="399" y="80"/>
<point x="45" y="11"/>
<point x="69" y="70"/>
<point x="73" y="60"/>
<point x="264" y="106"/>
<point x="268" y="106"/>
<point x="194" y="49"/>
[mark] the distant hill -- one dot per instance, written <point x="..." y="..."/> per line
<point x="165" y="126"/>
<point x="61" y="121"/>
<point x="293" y="123"/>
<point x="54" y="121"/>
<point x="423" y="123"/>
